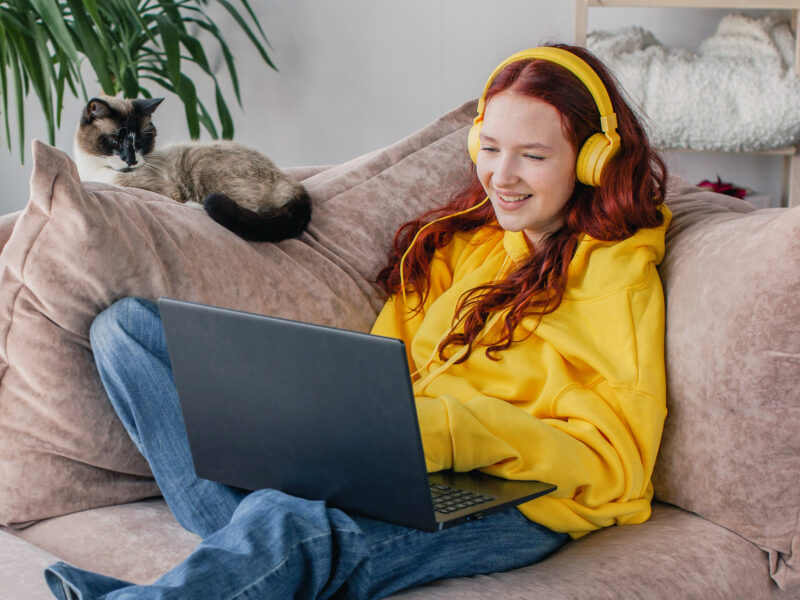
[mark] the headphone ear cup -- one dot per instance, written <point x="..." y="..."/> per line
<point x="592" y="158"/>
<point x="474" y="140"/>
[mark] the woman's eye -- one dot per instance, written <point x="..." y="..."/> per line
<point x="534" y="157"/>
<point x="488" y="149"/>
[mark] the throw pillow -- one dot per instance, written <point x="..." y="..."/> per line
<point x="77" y="248"/>
<point x="730" y="450"/>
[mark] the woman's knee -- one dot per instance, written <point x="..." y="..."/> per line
<point x="119" y="319"/>
<point x="127" y="341"/>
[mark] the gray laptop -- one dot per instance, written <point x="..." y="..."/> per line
<point x="316" y="412"/>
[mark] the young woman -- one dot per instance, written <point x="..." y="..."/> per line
<point x="534" y="321"/>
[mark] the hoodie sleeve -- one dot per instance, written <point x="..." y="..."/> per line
<point x="598" y="448"/>
<point x="598" y="445"/>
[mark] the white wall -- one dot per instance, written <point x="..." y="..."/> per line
<point x="357" y="75"/>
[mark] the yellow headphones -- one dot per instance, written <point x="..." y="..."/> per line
<point x="598" y="150"/>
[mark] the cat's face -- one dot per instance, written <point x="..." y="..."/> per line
<point x="116" y="134"/>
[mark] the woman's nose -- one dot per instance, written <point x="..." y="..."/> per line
<point x="505" y="171"/>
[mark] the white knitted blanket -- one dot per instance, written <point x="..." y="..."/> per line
<point x="737" y="92"/>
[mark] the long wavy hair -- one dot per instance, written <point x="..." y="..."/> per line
<point x="632" y="188"/>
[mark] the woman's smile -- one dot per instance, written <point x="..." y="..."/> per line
<point x="511" y="201"/>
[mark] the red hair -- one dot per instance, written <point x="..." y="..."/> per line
<point x="632" y="189"/>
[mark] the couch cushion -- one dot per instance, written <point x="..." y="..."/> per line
<point x="730" y="449"/>
<point x="21" y="569"/>
<point x="674" y="555"/>
<point x="137" y="542"/>
<point x="76" y="249"/>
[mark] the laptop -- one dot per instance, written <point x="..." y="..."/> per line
<point x="319" y="413"/>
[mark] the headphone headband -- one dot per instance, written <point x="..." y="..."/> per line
<point x="591" y="159"/>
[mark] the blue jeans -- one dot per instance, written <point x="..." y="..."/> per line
<point x="267" y="544"/>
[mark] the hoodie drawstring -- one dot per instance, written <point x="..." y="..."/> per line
<point x="420" y="385"/>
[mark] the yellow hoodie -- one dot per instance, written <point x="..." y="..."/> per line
<point x="579" y="403"/>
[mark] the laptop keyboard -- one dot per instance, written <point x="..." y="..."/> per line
<point x="447" y="499"/>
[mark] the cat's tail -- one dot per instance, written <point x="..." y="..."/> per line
<point x="268" y="224"/>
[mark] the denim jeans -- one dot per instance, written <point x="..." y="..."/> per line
<point x="267" y="544"/>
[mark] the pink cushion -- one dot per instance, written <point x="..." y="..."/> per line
<point x="78" y="248"/>
<point x="731" y="449"/>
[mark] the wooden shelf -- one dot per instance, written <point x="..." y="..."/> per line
<point x="732" y="4"/>
<point x="791" y="158"/>
<point x="582" y="11"/>
<point x="789" y="151"/>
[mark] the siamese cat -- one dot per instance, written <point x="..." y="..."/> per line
<point x="239" y="187"/>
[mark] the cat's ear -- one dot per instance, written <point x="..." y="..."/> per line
<point x="96" y="109"/>
<point x="147" y="106"/>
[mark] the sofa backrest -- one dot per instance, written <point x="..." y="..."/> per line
<point x="731" y="450"/>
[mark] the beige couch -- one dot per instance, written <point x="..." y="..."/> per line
<point x="72" y="487"/>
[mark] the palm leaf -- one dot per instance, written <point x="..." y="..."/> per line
<point x="226" y="53"/>
<point x="4" y="60"/>
<point x="127" y="43"/>
<point x="188" y="95"/>
<point x="243" y="25"/>
<point x="91" y="44"/>
<point x="255" y="20"/>
<point x="171" y="42"/>
<point x="207" y="121"/>
<point x="224" y="115"/>
<point x="18" y="75"/>
<point x="92" y="11"/>
<point x="52" y="17"/>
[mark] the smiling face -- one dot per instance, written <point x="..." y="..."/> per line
<point x="526" y="164"/>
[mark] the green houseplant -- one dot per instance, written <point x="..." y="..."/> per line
<point x="129" y="44"/>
